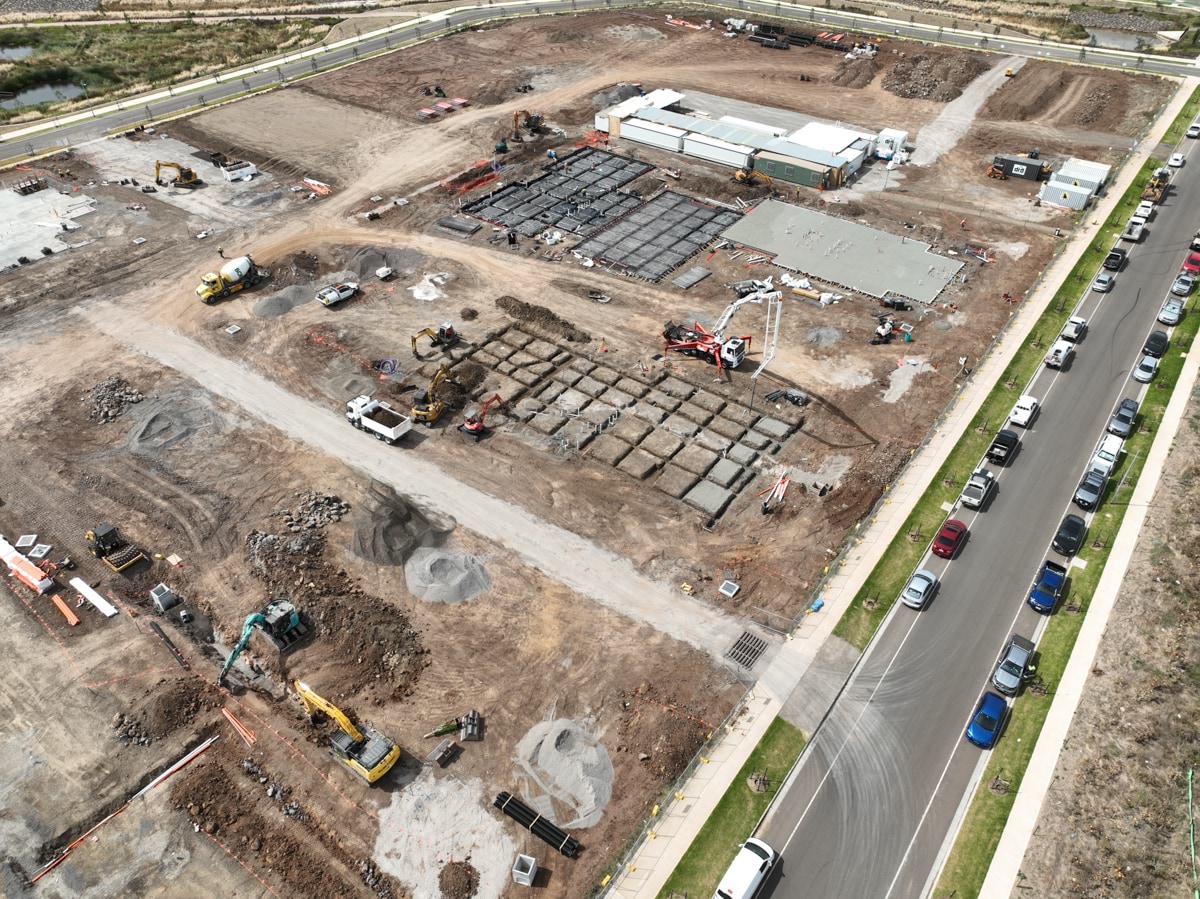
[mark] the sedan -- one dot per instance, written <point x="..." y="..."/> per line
<point x="1193" y="130"/>
<point x="1091" y="488"/>
<point x="1023" y="411"/>
<point x="1156" y="344"/>
<point x="1146" y="369"/>
<point x="919" y="589"/>
<point x="1015" y="665"/>
<point x="1103" y="283"/>
<point x="1070" y="535"/>
<point x="1171" y="312"/>
<point x="1191" y="265"/>
<point x="1121" y="423"/>
<point x="985" y="723"/>
<point x="1176" y="160"/>
<point x="1183" y="284"/>
<point x="949" y="538"/>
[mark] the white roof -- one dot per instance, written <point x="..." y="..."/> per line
<point x="830" y="138"/>
<point x="1083" y="168"/>
<point x="653" y="126"/>
<point x="656" y="99"/>
<point x="662" y="97"/>
<point x="753" y="126"/>
<point x="720" y="144"/>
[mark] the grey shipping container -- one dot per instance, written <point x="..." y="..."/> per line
<point x="1019" y="167"/>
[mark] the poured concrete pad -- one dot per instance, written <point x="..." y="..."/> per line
<point x="662" y="444"/>
<point x="572" y="400"/>
<point x="714" y="442"/>
<point x="632" y="387"/>
<point x="652" y="414"/>
<point x="577" y="433"/>
<point x="631" y="430"/>
<point x="727" y="427"/>
<point x="674" y="481"/>
<point x="677" y="388"/>
<point x="709" y="401"/>
<point x="551" y="392"/>
<point x="583" y="366"/>
<point x="740" y="454"/>
<point x="698" y="414"/>
<point x="522" y="359"/>
<point x="774" y="428"/>
<point x="541" y="369"/>
<point x="567" y="376"/>
<point x="617" y="398"/>
<point x="606" y="375"/>
<point x="695" y="458"/>
<point x="755" y="440"/>
<point x="639" y="464"/>
<point x="599" y="413"/>
<point x="524" y="375"/>
<point x="681" y="426"/>
<point x="517" y="338"/>
<point x="547" y="422"/>
<point x="660" y="399"/>
<point x="725" y="472"/>
<point x="591" y="386"/>
<point x="608" y="449"/>
<point x="542" y="350"/>
<point x="500" y="350"/>
<point x="527" y="408"/>
<point x="709" y="498"/>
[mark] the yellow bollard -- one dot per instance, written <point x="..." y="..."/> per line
<point x="651" y="834"/>
<point x="607" y="878"/>
<point x="678" y="796"/>
<point x="654" y="811"/>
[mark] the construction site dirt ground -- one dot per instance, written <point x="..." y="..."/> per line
<point x="589" y="715"/>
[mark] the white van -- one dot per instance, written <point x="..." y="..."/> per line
<point x="749" y="869"/>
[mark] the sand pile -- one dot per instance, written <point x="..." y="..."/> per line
<point x="563" y="765"/>
<point x="284" y="301"/>
<point x="401" y="260"/>
<point x="437" y="575"/>
<point x="168" y="419"/>
<point x="388" y="528"/>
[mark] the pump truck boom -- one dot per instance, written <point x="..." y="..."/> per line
<point x="365" y="751"/>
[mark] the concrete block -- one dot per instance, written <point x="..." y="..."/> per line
<point x="578" y="433"/>
<point x="591" y="386"/>
<point x="519" y="339"/>
<point x="662" y="443"/>
<point x="630" y="429"/>
<point x="599" y="413"/>
<point x="652" y="414"/>
<point x="709" y="498"/>
<point x="725" y="472"/>
<point x="639" y="464"/>
<point x="680" y="426"/>
<point x="524" y="375"/>
<point x="773" y="428"/>
<point x="675" y="481"/>
<point x="609" y="449"/>
<point x="755" y="440"/>
<point x="632" y="387"/>
<point x="541" y="369"/>
<point x="679" y="389"/>
<point x="567" y="376"/>
<point x="562" y="357"/>
<point x="548" y="421"/>
<point x="727" y="428"/>
<point x="521" y="358"/>
<point x="583" y="366"/>
<point x="740" y="454"/>
<point x="709" y="401"/>
<point x="615" y="397"/>
<point x="571" y="400"/>
<point x="605" y="374"/>
<point x="714" y="442"/>
<point x="660" y="399"/>
<point x="505" y="367"/>
<point x="500" y="349"/>
<point x="552" y="391"/>
<point x="485" y="359"/>
<point x="698" y="414"/>
<point x="695" y="459"/>
<point x="541" y="349"/>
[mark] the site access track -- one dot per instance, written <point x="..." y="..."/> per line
<point x="568" y="558"/>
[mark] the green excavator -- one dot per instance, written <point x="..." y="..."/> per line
<point x="280" y="621"/>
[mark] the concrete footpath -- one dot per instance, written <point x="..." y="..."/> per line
<point x="653" y="862"/>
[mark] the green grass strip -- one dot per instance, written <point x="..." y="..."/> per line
<point x="736" y="814"/>
<point x="1186" y="116"/>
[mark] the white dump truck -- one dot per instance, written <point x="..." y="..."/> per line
<point x="378" y="418"/>
<point x="1059" y="354"/>
<point x="233" y="276"/>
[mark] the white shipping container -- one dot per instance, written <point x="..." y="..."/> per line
<point x="718" y="151"/>
<point x="1083" y="183"/>
<point x="663" y="136"/>
<point x="1064" y="195"/>
<point x="753" y="126"/>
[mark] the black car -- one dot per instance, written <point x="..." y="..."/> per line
<point x="1114" y="260"/>
<point x="1091" y="488"/>
<point x="1156" y="344"/>
<point x="1070" y="535"/>
<point x="1122" y="420"/>
<point x="1004" y="444"/>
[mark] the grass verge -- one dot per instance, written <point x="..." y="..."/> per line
<point x="1186" y="116"/>
<point x="976" y="843"/>
<point x="883" y="585"/>
<point x="736" y="814"/>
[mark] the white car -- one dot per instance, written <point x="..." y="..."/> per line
<point x="1194" y="130"/>
<point x="1145" y="209"/>
<point x="336" y="293"/>
<point x="1103" y="283"/>
<point x="1107" y="453"/>
<point x="919" y="588"/>
<point x="1176" y="160"/>
<point x="1023" y="411"/>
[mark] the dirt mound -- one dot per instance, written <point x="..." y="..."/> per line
<point x="663" y="733"/>
<point x="1040" y="88"/>
<point x="436" y="575"/>
<point x="401" y="260"/>
<point x="1095" y="104"/>
<point x="605" y="99"/>
<point x="167" y="707"/>
<point x="925" y="77"/>
<point x="561" y="763"/>
<point x="458" y="880"/>
<point x="545" y="320"/>
<point x="855" y="73"/>
<point x="110" y="398"/>
<point x="388" y="528"/>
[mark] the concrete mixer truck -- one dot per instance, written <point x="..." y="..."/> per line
<point x="233" y="276"/>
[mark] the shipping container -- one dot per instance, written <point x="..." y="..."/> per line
<point x="719" y="151"/>
<point x="655" y="135"/>
<point x="1086" y="169"/>
<point x="796" y="171"/>
<point x="1087" y="184"/>
<point x="1065" y="195"/>
<point x="1019" y="167"/>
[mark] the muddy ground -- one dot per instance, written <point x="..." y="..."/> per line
<point x="416" y="618"/>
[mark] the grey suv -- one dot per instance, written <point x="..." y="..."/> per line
<point x="1122" y="421"/>
<point x="1090" y="489"/>
<point x="1015" y="665"/>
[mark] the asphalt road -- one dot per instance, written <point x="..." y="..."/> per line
<point x="129" y="113"/>
<point x="871" y="807"/>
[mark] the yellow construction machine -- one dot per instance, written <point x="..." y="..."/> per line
<point x="184" y="177"/>
<point x="431" y="409"/>
<point x="445" y="337"/>
<point x="749" y="176"/>
<point x="370" y="755"/>
<point x="106" y="544"/>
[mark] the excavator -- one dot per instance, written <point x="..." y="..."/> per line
<point x="184" y="177"/>
<point x="474" y="425"/>
<point x="532" y="122"/>
<point x="445" y="337"/>
<point x="106" y="544"/>
<point x="431" y="409"/>
<point x="366" y="752"/>
<point x="749" y="176"/>
<point x="280" y="621"/>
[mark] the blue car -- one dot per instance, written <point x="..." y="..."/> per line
<point x="985" y="724"/>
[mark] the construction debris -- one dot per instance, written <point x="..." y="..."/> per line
<point x="315" y="510"/>
<point x="110" y="398"/>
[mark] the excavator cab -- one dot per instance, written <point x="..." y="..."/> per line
<point x="475" y="423"/>
<point x="363" y="750"/>
<point x="430" y="410"/>
<point x="283" y="624"/>
<point x="444" y="337"/>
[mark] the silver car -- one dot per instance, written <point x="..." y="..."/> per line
<point x="1015" y="665"/>
<point x="1171" y="312"/>
<point x="1146" y="369"/>
<point x="1183" y="284"/>
<point x="919" y="588"/>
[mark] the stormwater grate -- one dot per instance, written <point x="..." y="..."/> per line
<point x="746" y="651"/>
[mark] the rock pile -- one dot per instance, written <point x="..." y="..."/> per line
<point x="130" y="731"/>
<point x="458" y="880"/>
<point x="941" y="78"/>
<point x="855" y="73"/>
<point x="110" y="398"/>
<point x="1119" y="21"/>
<point x="314" y="511"/>
<point x="375" y="880"/>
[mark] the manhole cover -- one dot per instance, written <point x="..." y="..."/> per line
<point x="746" y="651"/>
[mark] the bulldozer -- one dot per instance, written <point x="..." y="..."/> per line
<point x="475" y="423"/>
<point x="281" y="622"/>
<point x="184" y="177"/>
<point x="106" y="544"/>
<point x="445" y="337"/>
<point x="430" y="410"/>
<point x="365" y="751"/>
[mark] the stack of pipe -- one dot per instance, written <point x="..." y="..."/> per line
<point x="537" y="825"/>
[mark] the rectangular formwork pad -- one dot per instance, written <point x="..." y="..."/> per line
<point x="578" y="194"/>
<point x="657" y="238"/>
<point x="844" y="253"/>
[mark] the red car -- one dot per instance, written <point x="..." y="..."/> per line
<point x="949" y="538"/>
<point x="1191" y="265"/>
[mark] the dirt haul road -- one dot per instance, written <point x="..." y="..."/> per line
<point x="567" y="557"/>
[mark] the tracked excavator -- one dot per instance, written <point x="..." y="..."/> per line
<point x="184" y="177"/>
<point x="749" y="176"/>
<point x="430" y="410"/>
<point x="282" y="624"/>
<point x="444" y="337"/>
<point x="365" y="751"/>
<point x="475" y="423"/>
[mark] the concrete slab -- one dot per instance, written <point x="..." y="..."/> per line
<point x="695" y="459"/>
<point x="609" y="449"/>
<point x="519" y="339"/>
<point x="577" y="433"/>
<point x="727" y="428"/>
<point x="709" y="498"/>
<point x="524" y="375"/>
<point x="675" y="481"/>
<point x="698" y="414"/>
<point x="755" y="440"/>
<point x="630" y="429"/>
<point x="740" y="454"/>
<point x="662" y="443"/>
<point x="677" y="388"/>
<point x="773" y="428"/>
<point x="617" y="398"/>
<point x="29" y="223"/>
<point x="599" y="413"/>
<point x="571" y="400"/>
<point x="548" y="421"/>
<point x="542" y="350"/>
<point x="639" y="464"/>
<point x="500" y="349"/>
<point x="567" y="376"/>
<point x="605" y="374"/>
<point x="681" y="426"/>
<point x="591" y="386"/>
<point x="505" y="367"/>
<point x="527" y="408"/>
<point x="714" y="442"/>
<point x="562" y="357"/>
<point x="486" y="359"/>
<point x="662" y="400"/>
<point x="583" y="366"/>
<point x="522" y="358"/>
<point x="632" y="387"/>
<point x="552" y="391"/>
<point x="725" y="472"/>
<point x="709" y="401"/>
<point x="541" y="369"/>
<point x="652" y="414"/>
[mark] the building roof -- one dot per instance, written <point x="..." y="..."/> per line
<point x="808" y="154"/>
<point x="720" y="130"/>
<point x="1085" y="169"/>
<point x="830" y="138"/>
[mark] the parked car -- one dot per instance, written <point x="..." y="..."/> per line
<point x="1171" y="312"/>
<point x="1121" y="423"/>
<point x="1070" y="535"/>
<point x="1193" y="130"/>
<point x="336" y="293"/>
<point x="1015" y="665"/>
<point x="1115" y="259"/>
<point x="919" y="589"/>
<point x="1183" y="284"/>
<point x="978" y="488"/>
<point x="1074" y="329"/>
<point x="1103" y="282"/>
<point x="1191" y="263"/>
<point x="1146" y="369"/>
<point x="1023" y="411"/>
<point x="745" y="876"/>
<point x="1145" y="210"/>
<point x="1108" y="451"/>
<point x="1047" y="587"/>
<point x="949" y="538"/>
<point x="1004" y="446"/>
<point x="986" y="720"/>
<point x="1090" y="489"/>
<point x="1176" y="160"/>
<point x="1156" y="344"/>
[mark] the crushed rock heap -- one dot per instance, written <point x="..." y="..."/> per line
<point x="110" y="398"/>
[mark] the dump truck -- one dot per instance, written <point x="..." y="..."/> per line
<point x="233" y="276"/>
<point x="378" y="418"/>
<point x="1060" y="353"/>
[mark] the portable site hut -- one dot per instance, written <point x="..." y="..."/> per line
<point x="1066" y="195"/>
<point x="427" y="114"/>
<point x="443" y="107"/>
<point x="460" y="102"/>
<point x="715" y="150"/>
<point x="1019" y="167"/>
<point x="1085" y="183"/>
<point x="852" y="146"/>
<point x="653" y="134"/>
<point x="609" y="120"/>
<point x="787" y="161"/>
<point x="1085" y="170"/>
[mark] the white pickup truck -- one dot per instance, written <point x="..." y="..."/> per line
<point x="1074" y="329"/>
<point x="1059" y="354"/>
<point x="378" y="418"/>
<point x="336" y="293"/>
<point x="1135" y="230"/>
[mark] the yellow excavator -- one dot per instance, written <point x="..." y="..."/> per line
<point x="370" y="755"/>
<point x="431" y="409"/>
<point x="749" y="176"/>
<point x="445" y="337"/>
<point x="184" y="177"/>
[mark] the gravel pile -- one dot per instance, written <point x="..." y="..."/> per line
<point x="855" y="73"/>
<point x="1120" y="21"/>
<point x="109" y="399"/>
<point x="47" y="7"/>
<point x="458" y="880"/>
<point x="940" y="78"/>
<point x="436" y="575"/>
<point x="130" y="730"/>
<point x="314" y="511"/>
<point x="563" y="762"/>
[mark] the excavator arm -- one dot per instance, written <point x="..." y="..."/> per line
<point x="428" y="332"/>
<point x="314" y="703"/>
<point x="253" y="621"/>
